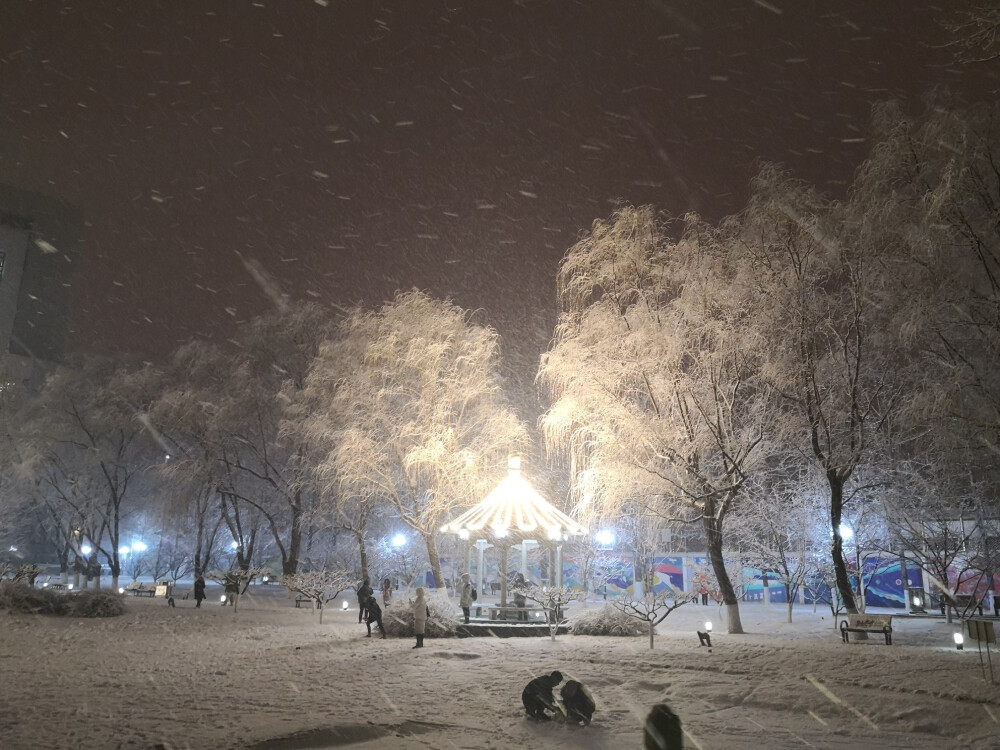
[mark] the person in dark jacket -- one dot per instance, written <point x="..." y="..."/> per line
<point x="199" y="590"/>
<point x="364" y="592"/>
<point x="578" y="702"/>
<point x="537" y="695"/>
<point x="373" y="614"/>
<point x="662" y="730"/>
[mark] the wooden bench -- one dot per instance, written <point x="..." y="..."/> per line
<point x="962" y="603"/>
<point x="867" y="623"/>
<point x="300" y="600"/>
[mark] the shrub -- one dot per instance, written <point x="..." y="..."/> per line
<point x="398" y="619"/>
<point x="96" y="603"/>
<point x="607" y="620"/>
<point x="22" y="599"/>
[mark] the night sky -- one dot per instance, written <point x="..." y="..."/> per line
<point x="355" y="148"/>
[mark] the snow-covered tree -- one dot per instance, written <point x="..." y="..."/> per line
<point x="553" y="600"/>
<point x="976" y="33"/>
<point x="320" y="586"/>
<point x="83" y="439"/>
<point x="776" y="531"/>
<point x="652" y="607"/>
<point x="826" y="301"/>
<point x="655" y="377"/>
<point x="418" y="421"/>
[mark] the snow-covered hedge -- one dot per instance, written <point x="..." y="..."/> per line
<point x="398" y="618"/>
<point x="22" y="599"/>
<point x="606" y="621"/>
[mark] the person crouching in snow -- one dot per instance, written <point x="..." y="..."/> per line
<point x="577" y="702"/>
<point x="421" y="612"/>
<point x="537" y="695"/>
<point x="374" y="614"/>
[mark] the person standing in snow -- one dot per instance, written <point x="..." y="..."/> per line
<point x="520" y="601"/>
<point x="537" y="696"/>
<point x="364" y="592"/>
<point x="199" y="590"/>
<point x="373" y="614"/>
<point x="421" y="612"/>
<point x="465" y="600"/>
<point x="386" y="592"/>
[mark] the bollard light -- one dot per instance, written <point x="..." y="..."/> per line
<point x="959" y="641"/>
<point x="223" y="598"/>
<point x="70" y="587"/>
<point x="121" y="589"/>
<point x="344" y="605"/>
<point x="708" y="626"/>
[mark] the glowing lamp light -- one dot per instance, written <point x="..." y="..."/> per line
<point x="605" y="537"/>
<point x="86" y="549"/>
<point x="139" y="546"/>
<point x="708" y="626"/>
<point x="959" y="641"/>
<point x="123" y="550"/>
<point x="70" y="587"/>
<point x="399" y="540"/>
<point x="916" y="601"/>
<point x="344" y="605"/>
<point x="223" y="598"/>
<point x="121" y="589"/>
<point x="846" y="532"/>
<point x="45" y="585"/>
<point x="555" y="534"/>
<point x="463" y="534"/>
<point x="235" y="544"/>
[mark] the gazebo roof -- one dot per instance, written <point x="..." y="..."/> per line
<point x="514" y="509"/>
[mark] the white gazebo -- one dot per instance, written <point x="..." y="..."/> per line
<point x="514" y="512"/>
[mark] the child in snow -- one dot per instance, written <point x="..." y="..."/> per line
<point x="374" y="614"/>
<point x="421" y="612"/>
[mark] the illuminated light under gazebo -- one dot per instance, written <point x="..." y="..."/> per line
<point x="514" y="511"/>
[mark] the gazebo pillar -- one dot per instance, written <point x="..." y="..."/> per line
<point x="481" y="545"/>
<point x="503" y="575"/>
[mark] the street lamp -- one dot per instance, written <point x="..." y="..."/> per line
<point x="399" y="540"/>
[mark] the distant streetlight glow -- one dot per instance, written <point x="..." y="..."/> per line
<point x="123" y="550"/>
<point x="399" y="540"/>
<point x="139" y="546"/>
<point x="605" y="537"/>
<point x="86" y="549"/>
<point x="846" y="532"/>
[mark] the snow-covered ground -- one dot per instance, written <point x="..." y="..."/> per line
<point x="271" y="677"/>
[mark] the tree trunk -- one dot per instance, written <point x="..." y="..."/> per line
<point x="652" y="632"/>
<point x="363" y="552"/>
<point x="435" y="560"/>
<point x="713" y="540"/>
<point x="837" y="544"/>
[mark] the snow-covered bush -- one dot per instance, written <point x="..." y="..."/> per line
<point x="605" y="621"/>
<point x="398" y="619"/>
<point x="22" y="599"/>
<point x="96" y="603"/>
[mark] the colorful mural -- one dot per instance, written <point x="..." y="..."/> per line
<point x="668" y="574"/>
